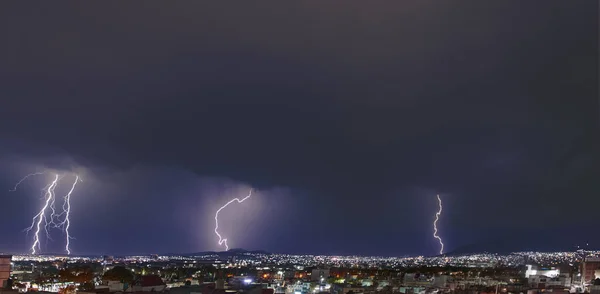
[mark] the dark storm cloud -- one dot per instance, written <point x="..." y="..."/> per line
<point x="353" y="105"/>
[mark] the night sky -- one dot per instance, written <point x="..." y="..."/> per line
<point x="347" y="118"/>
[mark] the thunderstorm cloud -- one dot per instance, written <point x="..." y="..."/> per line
<point x="348" y="120"/>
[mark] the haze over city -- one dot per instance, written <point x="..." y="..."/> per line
<point x="344" y="120"/>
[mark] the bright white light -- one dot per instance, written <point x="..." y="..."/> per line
<point x="435" y="230"/>
<point x="221" y="239"/>
<point x="53" y="219"/>
<point x="247" y="281"/>
<point x="41" y="216"/>
<point x="66" y="223"/>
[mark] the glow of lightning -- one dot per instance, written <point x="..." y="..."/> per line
<point x="25" y="178"/>
<point x="41" y="216"/>
<point x="66" y="223"/>
<point x="221" y="239"/>
<point x="53" y="220"/>
<point x="435" y="230"/>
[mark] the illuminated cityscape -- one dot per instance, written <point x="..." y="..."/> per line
<point x="246" y="271"/>
<point x="299" y="147"/>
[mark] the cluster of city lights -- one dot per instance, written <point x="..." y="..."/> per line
<point x="304" y="261"/>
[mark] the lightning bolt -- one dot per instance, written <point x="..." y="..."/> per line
<point x="435" y="229"/>
<point x="43" y="196"/>
<point x="48" y="214"/>
<point x="25" y="178"/>
<point x="66" y="223"/>
<point x="221" y="239"/>
<point x="52" y="209"/>
<point x="41" y="216"/>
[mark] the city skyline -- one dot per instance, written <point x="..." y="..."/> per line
<point x="284" y="273"/>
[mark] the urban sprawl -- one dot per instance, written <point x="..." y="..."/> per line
<point x="243" y="272"/>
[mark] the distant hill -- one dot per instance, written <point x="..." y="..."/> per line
<point x="497" y="246"/>
<point x="514" y="243"/>
<point x="230" y="252"/>
<point x="241" y="251"/>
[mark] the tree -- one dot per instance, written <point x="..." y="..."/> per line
<point x="9" y="284"/>
<point x="65" y="275"/>
<point x="68" y="290"/>
<point x="84" y="277"/>
<point x="87" y="287"/>
<point x="118" y="273"/>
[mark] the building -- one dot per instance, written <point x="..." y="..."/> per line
<point x="415" y="280"/>
<point x="544" y="282"/>
<point x="149" y="283"/>
<point x="4" y="269"/>
<point x="298" y="288"/>
<point x="551" y="272"/>
<point x="589" y="269"/>
<point x="441" y="281"/>
<point x="318" y="275"/>
<point x="238" y="282"/>
<point x="345" y="289"/>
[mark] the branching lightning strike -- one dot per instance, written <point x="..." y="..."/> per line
<point x="48" y="214"/>
<point x="435" y="229"/>
<point x="221" y="239"/>
<point x="41" y="216"/>
<point x="25" y="178"/>
<point x="66" y="223"/>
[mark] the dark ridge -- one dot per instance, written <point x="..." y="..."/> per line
<point x="232" y="251"/>
<point x="511" y="244"/>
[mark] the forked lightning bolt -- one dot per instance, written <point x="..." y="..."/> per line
<point x="221" y="239"/>
<point x="66" y="223"/>
<point x="51" y="219"/>
<point x="41" y="216"/>
<point x="435" y="230"/>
